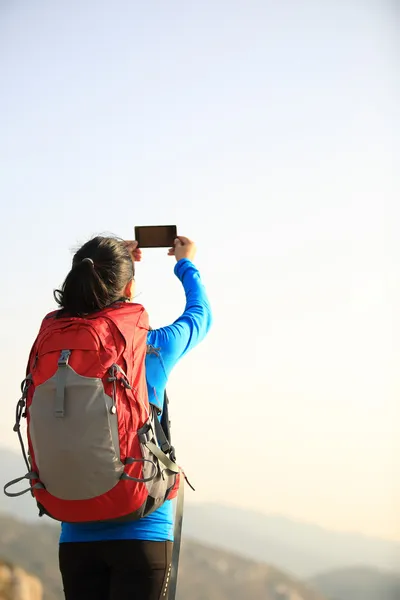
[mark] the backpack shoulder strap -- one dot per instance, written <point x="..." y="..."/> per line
<point x="163" y="428"/>
<point x="165" y="422"/>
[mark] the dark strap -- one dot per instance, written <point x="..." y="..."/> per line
<point x="162" y="429"/>
<point x="131" y="461"/>
<point x="159" y="431"/>
<point x="165" y="422"/>
<point x="177" y="539"/>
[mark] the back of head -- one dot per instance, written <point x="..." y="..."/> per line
<point x="100" y="271"/>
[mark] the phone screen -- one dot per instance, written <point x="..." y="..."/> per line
<point x="156" y="236"/>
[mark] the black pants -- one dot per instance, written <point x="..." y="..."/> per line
<point x="115" y="570"/>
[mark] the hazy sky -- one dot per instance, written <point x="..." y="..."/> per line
<point x="268" y="132"/>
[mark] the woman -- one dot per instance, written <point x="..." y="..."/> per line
<point x="130" y="560"/>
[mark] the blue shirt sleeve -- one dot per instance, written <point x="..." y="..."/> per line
<point x="192" y="326"/>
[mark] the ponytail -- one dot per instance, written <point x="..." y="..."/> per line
<point x="100" y="270"/>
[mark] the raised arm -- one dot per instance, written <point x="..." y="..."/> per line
<point x="191" y="327"/>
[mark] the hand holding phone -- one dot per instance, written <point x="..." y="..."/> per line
<point x="134" y="250"/>
<point x="183" y="248"/>
<point x="162" y="236"/>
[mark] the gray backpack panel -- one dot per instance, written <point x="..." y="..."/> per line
<point x="78" y="455"/>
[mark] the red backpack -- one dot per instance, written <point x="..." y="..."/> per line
<point x="93" y="437"/>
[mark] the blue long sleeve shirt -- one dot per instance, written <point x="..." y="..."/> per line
<point x="170" y="343"/>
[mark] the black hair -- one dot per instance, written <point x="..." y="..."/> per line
<point x="93" y="284"/>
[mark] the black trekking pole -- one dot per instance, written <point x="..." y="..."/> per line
<point x="174" y="567"/>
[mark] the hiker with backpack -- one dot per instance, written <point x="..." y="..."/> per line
<point x="100" y="455"/>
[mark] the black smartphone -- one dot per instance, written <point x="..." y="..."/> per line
<point x="155" y="236"/>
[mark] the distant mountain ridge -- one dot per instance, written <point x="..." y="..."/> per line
<point x="358" y="584"/>
<point x="296" y="547"/>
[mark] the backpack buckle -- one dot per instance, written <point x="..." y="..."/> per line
<point x="64" y="357"/>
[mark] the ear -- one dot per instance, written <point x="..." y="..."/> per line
<point x="129" y="289"/>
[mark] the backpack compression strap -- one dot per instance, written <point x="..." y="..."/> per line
<point x="30" y="475"/>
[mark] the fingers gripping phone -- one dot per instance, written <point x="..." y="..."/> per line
<point x="156" y="236"/>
